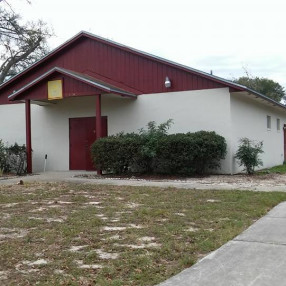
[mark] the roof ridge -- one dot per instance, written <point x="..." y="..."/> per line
<point x="148" y="55"/>
<point x="122" y="46"/>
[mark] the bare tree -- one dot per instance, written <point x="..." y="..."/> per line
<point x="21" y="44"/>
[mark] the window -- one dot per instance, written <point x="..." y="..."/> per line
<point x="278" y="124"/>
<point x="268" y="122"/>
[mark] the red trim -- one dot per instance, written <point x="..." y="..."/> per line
<point x="98" y="122"/>
<point x="28" y="136"/>
<point x="98" y="117"/>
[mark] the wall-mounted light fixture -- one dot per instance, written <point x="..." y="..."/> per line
<point x="167" y="82"/>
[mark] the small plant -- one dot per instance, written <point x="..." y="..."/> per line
<point x="151" y="143"/>
<point x="3" y="156"/>
<point x="248" y="154"/>
<point x="12" y="159"/>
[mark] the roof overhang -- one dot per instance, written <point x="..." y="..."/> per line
<point x="261" y="98"/>
<point x="84" y="78"/>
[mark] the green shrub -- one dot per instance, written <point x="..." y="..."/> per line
<point x="248" y="154"/>
<point x="13" y="158"/>
<point x="190" y="153"/>
<point x="150" y="145"/>
<point x="2" y="156"/>
<point x="116" y="153"/>
<point x="154" y="151"/>
<point x="16" y="159"/>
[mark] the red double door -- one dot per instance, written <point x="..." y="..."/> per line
<point x="82" y="133"/>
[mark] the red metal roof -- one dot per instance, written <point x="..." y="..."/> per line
<point x="125" y="48"/>
<point x="98" y="61"/>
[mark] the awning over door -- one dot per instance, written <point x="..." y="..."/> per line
<point x="72" y="83"/>
<point x="59" y="83"/>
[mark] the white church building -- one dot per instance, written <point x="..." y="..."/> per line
<point x="91" y="87"/>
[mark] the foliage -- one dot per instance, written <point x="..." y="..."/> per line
<point x="21" y="43"/>
<point x="190" y="153"/>
<point x="116" y="153"/>
<point x="280" y="169"/>
<point x="153" y="129"/>
<point x="13" y="158"/>
<point x="264" y="86"/>
<point x="150" y="145"/>
<point x="2" y="156"/>
<point x="154" y="151"/>
<point x="248" y="154"/>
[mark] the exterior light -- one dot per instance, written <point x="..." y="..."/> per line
<point x="167" y="82"/>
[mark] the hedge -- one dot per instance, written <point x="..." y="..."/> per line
<point x="159" y="153"/>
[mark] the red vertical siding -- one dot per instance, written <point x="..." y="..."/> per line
<point x="121" y="67"/>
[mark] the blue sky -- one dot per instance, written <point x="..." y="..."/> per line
<point x="223" y="36"/>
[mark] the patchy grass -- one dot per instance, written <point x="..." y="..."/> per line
<point x="71" y="234"/>
<point x="281" y="169"/>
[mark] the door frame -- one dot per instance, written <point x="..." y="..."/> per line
<point x="104" y="131"/>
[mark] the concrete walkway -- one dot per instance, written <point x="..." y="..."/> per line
<point x="257" y="257"/>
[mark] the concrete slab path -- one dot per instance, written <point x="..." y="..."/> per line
<point x="257" y="257"/>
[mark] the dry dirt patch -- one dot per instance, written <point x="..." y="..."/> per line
<point x="64" y="234"/>
<point x="263" y="182"/>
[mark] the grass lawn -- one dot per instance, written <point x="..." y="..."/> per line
<point x="71" y="234"/>
<point x="280" y="169"/>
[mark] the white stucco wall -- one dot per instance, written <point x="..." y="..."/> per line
<point x="190" y="110"/>
<point x="50" y="131"/>
<point x="12" y="124"/>
<point x="233" y="117"/>
<point x="249" y="119"/>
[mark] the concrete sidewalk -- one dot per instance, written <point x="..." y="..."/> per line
<point x="257" y="257"/>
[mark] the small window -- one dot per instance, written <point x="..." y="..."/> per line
<point x="278" y="124"/>
<point x="268" y="122"/>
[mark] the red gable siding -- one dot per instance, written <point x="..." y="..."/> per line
<point x="71" y="88"/>
<point x="116" y="65"/>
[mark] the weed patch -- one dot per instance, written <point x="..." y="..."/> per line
<point x="71" y="234"/>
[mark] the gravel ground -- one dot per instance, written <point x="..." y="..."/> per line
<point x="269" y="182"/>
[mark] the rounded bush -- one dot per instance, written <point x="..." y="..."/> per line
<point x="159" y="153"/>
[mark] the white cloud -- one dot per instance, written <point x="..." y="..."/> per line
<point x="222" y="35"/>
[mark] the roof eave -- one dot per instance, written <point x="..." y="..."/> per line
<point x="105" y="89"/>
<point x="263" y="97"/>
<point x="274" y="102"/>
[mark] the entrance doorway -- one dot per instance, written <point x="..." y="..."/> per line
<point x="82" y="133"/>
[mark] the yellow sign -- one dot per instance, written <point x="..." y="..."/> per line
<point x="55" y="89"/>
